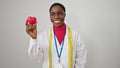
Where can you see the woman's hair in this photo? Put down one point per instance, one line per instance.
(57, 4)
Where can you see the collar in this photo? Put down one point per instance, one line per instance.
(62, 27)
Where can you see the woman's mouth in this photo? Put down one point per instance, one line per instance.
(57, 21)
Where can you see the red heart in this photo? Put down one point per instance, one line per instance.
(31, 20)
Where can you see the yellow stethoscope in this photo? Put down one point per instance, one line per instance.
(70, 48)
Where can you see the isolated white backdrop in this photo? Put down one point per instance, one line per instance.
(97, 21)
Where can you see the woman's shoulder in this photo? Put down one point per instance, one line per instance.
(44, 34)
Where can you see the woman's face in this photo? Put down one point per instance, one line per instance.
(57, 15)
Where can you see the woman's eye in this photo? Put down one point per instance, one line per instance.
(52, 14)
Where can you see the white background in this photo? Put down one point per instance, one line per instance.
(98, 22)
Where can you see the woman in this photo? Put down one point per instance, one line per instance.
(58, 47)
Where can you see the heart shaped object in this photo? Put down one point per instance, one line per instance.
(31, 20)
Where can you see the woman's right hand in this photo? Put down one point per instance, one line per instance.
(31, 30)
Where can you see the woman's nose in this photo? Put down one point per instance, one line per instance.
(56, 16)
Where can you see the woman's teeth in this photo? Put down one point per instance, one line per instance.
(56, 21)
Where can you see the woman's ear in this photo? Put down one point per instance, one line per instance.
(65, 15)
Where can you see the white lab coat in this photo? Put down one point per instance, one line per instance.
(38, 50)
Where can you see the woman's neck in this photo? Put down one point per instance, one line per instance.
(60, 32)
(61, 27)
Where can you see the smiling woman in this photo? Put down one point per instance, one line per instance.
(58, 47)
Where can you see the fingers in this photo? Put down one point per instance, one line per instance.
(30, 26)
(31, 30)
